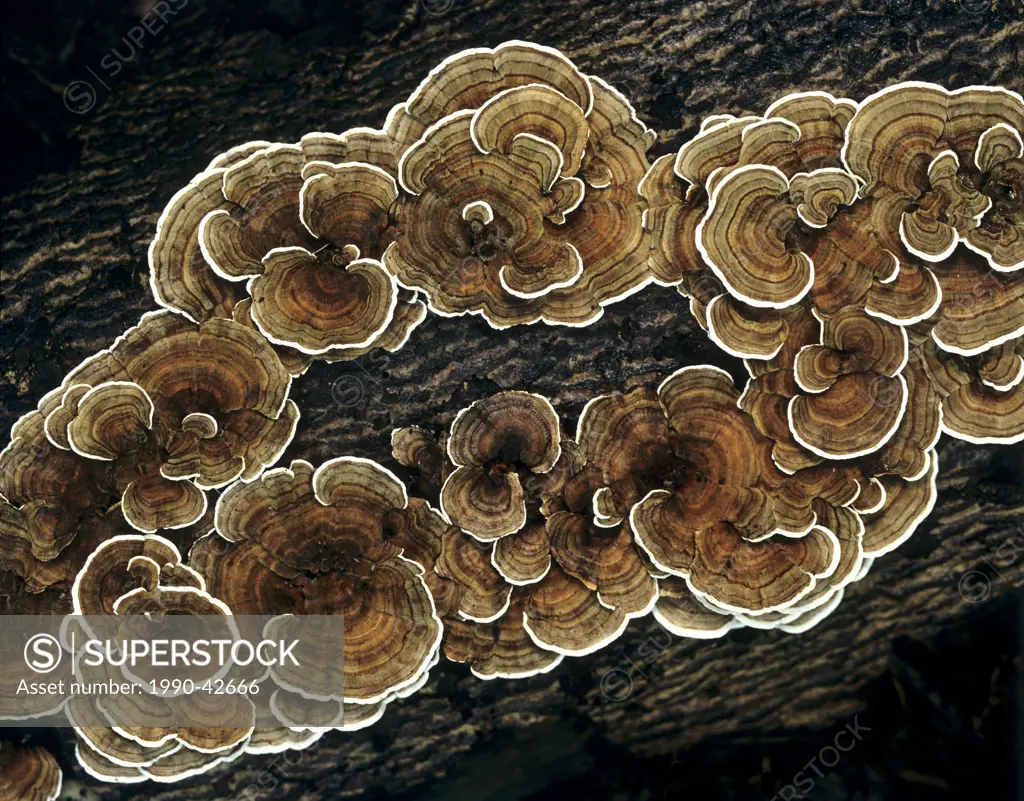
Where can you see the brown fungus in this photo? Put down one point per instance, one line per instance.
(497, 444)
(295, 233)
(316, 542)
(28, 774)
(703, 498)
(951, 162)
(522, 207)
(176, 408)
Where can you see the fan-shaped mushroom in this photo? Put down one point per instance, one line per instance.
(28, 774)
(496, 444)
(307, 541)
(524, 207)
(176, 408)
(782, 258)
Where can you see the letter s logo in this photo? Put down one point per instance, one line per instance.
(43, 653)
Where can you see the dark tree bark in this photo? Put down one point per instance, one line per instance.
(75, 275)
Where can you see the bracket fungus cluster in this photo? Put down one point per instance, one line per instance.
(865, 260)
(519, 194)
(143, 575)
(318, 541)
(28, 774)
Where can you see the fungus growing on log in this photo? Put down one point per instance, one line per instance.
(523, 206)
(496, 444)
(948, 164)
(315, 541)
(295, 233)
(125, 563)
(176, 408)
(596, 579)
(773, 398)
(865, 260)
(132, 765)
(858, 359)
(28, 774)
(49, 498)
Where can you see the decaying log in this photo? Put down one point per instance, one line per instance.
(75, 275)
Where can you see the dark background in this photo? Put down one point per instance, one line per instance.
(935, 674)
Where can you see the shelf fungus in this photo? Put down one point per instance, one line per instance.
(981, 308)
(107, 756)
(316, 541)
(288, 239)
(519, 192)
(425, 453)
(49, 498)
(982, 396)
(498, 444)
(858, 360)
(28, 774)
(139, 737)
(595, 577)
(693, 474)
(865, 260)
(567, 584)
(764, 228)
(175, 408)
(809, 397)
(501, 648)
(949, 164)
(686, 614)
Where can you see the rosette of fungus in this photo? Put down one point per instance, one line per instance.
(693, 475)
(895, 485)
(949, 163)
(776, 397)
(762, 226)
(982, 396)
(175, 408)
(288, 239)
(558, 583)
(148, 736)
(315, 542)
(57, 507)
(28, 774)
(498, 444)
(49, 497)
(519, 193)
(949, 167)
(688, 615)
(482, 618)
(582, 575)
(857, 359)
